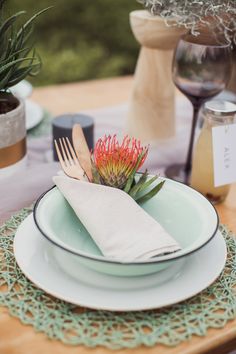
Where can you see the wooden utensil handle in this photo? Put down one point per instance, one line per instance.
(82, 150)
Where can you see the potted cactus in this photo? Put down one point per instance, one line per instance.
(18, 59)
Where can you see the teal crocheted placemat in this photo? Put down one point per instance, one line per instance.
(43, 128)
(73, 325)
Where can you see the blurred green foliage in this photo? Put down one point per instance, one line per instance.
(81, 39)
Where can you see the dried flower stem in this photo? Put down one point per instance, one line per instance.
(217, 15)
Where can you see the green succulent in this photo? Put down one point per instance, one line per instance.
(18, 57)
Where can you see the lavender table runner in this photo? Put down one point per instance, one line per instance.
(24, 187)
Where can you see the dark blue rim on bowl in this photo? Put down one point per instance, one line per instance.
(106, 260)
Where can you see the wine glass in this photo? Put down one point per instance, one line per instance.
(201, 69)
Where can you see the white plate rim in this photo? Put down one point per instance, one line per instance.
(25, 86)
(35, 106)
(21, 237)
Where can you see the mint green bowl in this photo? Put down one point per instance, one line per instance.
(183, 212)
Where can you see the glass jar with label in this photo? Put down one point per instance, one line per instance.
(215, 113)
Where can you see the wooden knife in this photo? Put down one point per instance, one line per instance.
(82, 150)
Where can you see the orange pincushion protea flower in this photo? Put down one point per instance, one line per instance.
(116, 162)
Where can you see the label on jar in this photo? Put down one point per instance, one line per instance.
(224, 154)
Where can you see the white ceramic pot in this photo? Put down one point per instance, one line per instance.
(12, 140)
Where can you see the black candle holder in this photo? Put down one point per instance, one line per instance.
(62, 127)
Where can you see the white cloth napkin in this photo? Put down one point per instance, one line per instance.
(118, 225)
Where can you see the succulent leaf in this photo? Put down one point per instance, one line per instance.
(132, 176)
(17, 56)
(148, 183)
(12, 63)
(150, 194)
(135, 189)
(31, 20)
(9, 22)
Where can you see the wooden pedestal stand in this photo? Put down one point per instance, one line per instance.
(152, 114)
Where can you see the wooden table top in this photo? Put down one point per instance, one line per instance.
(16, 338)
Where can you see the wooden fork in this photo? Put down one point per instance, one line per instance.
(68, 159)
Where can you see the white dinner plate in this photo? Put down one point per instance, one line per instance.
(99, 291)
(34, 114)
(23, 89)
